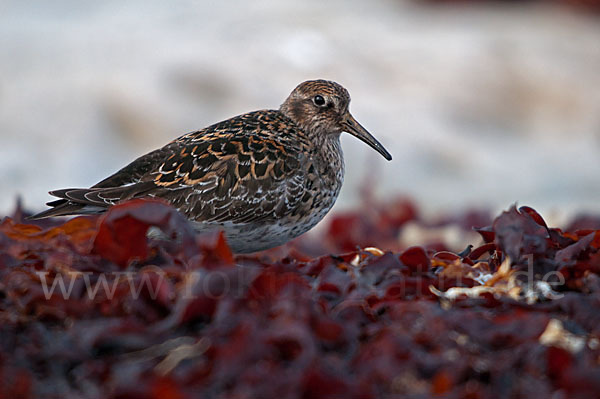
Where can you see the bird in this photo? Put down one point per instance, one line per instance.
(263, 177)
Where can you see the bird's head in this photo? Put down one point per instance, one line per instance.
(320, 107)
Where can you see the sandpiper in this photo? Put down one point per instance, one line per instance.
(264, 177)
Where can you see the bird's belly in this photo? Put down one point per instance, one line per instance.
(252, 237)
(264, 234)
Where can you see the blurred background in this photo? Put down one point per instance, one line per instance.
(481, 104)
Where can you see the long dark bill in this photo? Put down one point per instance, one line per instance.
(352, 126)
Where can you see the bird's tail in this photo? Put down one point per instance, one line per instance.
(91, 201)
(64, 207)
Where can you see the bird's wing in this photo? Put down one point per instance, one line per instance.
(136, 170)
(224, 176)
(241, 170)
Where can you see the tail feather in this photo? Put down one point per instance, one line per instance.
(86, 201)
(67, 208)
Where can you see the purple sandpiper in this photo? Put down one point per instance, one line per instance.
(264, 177)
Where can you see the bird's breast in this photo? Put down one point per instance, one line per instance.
(330, 161)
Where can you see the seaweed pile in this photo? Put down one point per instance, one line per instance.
(94, 308)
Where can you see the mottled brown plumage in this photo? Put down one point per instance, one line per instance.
(264, 177)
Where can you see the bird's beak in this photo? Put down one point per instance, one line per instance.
(352, 126)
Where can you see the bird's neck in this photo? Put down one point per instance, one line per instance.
(330, 156)
(326, 147)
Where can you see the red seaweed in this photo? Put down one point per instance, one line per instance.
(96, 307)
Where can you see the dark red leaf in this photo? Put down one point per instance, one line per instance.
(518, 235)
(533, 214)
(479, 251)
(122, 232)
(416, 259)
(558, 361)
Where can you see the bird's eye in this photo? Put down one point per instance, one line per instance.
(319, 101)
